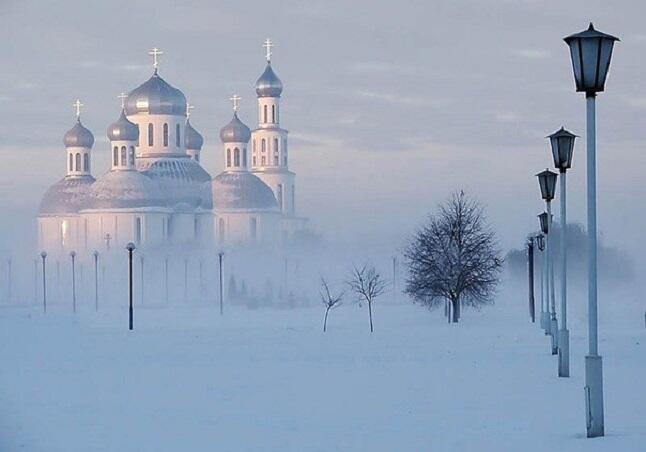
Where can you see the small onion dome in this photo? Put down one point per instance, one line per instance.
(241, 190)
(123, 130)
(156, 97)
(269, 85)
(66, 196)
(124, 190)
(235, 132)
(192, 138)
(78, 136)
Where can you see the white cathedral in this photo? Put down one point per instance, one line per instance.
(156, 193)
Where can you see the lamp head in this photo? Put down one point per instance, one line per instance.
(562, 143)
(547, 184)
(43, 254)
(130, 247)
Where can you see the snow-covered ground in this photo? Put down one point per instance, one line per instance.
(269, 380)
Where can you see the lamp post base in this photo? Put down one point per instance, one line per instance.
(564, 353)
(554, 333)
(594, 396)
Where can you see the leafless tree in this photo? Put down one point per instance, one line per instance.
(367, 284)
(329, 300)
(454, 257)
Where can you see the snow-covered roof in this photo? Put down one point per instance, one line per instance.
(67, 196)
(241, 190)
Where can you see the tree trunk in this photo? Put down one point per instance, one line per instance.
(370, 314)
(325, 320)
(456, 310)
(447, 310)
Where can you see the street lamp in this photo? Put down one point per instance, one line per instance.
(545, 298)
(562, 143)
(540, 242)
(96, 280)
(43, 255)
(220, 256)
(130, 247)
(547, 184)
(591, 52)
(73, 256)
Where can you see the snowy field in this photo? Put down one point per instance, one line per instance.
(269, 380)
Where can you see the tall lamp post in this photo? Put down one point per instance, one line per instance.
(73, 256)
(550, 308)
(131, 248)
(540, 242)
(220, 256)
(530, 274)
(547, 184)
(591, 52)
(562, 143)
(96, 280)
(43, 256)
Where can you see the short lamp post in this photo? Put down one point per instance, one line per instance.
(131, 248)
(73, 257)
(220, 256)
(591, 52)
(547, 184)
(562, 143)
(43, 256)
(96, 280)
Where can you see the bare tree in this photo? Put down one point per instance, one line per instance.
(330, 301)
(454, 257)
(367, 284)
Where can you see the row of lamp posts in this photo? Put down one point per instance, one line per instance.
(590, 52)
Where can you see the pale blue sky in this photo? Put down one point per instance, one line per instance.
(390, 105)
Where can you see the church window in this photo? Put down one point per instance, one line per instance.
(285, 160)
(196, 228)
(86, 162)
(115, 156)
(244, 157)
(254, 145)
(264, 161)
(228, 158)
(165, 135)
(78, 162)
(123, 156)
(265, 113)
(65, 230)
(254, 228)
(71, 162)
(254, 160)
(263, 145)
(273, 114)
(221, 230)
(236, 157)
(276, 145)
(177, 135)
(280, 196)
(169, 227)
(131, 156)
(138, 230)
(276, 159)
(150, 135)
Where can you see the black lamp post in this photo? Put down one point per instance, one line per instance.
(131, 248)
(591, 52)
(73, 256)
(530, 274)
(43, 256)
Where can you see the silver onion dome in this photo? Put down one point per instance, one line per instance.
(192, 138)
(124, 190)
(241, 190)
(78, 136)
(67, 196)
(235, 132)
(123, 130)
(269, 85)
(156, 97)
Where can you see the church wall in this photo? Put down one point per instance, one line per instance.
(58, 235)
(234, 228)
(122, 228)
(285, 196)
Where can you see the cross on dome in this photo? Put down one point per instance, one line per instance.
(236, 101)
(123, 97)
(189, 107)
(155, 52)
(77, 106)
(268, 45)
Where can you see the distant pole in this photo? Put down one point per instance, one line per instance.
(43, 255)
(201, 279)
(130, 247)
(73, 256)
(530, 261)
(96, 280)
(166, 277)
(395, 274)
(36, 280)
(185, 280)
(141, 277)
(220, 255)
(58, 279)
(9, 279)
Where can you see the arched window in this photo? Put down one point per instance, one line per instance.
(273, 114)
(265, 113)
(86, 162)
(115, 156)
(236, 157)
(276, 145)
(263, 161)
(138, 230)
(123, 156)
(196, 228)
(131, 156)
(254, 145)
(78, 162)
(276, 159)
(263, 145)
(221, 230)
(165, 135)
(284, 160)
(254, 160)
(244, 157)
(280, 196)
(254, 228)
(71, 162)
(150, 135)
(228, 157)
(177, 135)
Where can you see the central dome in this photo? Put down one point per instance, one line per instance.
(156, 97)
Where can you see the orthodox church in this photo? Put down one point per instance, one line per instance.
(156, 193)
